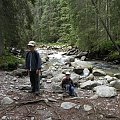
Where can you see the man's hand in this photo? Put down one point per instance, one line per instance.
(27, 71)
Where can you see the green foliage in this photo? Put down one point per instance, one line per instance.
(9, 62)
(114, 55)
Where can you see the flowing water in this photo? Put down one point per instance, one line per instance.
(56, 57)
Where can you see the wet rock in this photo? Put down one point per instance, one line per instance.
(83, 58)
(90, 77)
(115, 84)
(6, 101)
(81, 64)
(109, 78)
(105, 91)
(117, 75)
(89, 85)
(81, 54)
(69, 59)
(87, 108)
(98, 72)
(86, 72)
(78, 70)
(68, 105)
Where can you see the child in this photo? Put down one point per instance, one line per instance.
(68, 85)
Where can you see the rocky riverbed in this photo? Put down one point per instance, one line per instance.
(98, 96)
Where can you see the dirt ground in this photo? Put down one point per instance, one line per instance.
(27, 106)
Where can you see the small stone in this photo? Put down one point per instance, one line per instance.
(52, 100)
(67, 105)
(32, 118)
(49, 118)
(4, 117)
(16, 98)
(49, 81)
(87, 108)
(77, 107)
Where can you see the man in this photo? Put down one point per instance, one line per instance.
(33, 66)
(68, 85)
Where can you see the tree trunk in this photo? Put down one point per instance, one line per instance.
(105, 27)
(1, 28)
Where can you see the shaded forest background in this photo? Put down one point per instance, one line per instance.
(91, 25)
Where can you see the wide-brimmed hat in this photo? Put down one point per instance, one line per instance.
(31, 43)
(67, 73)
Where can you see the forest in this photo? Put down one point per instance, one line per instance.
(90, 25)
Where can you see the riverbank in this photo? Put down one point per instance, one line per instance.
(53, 103)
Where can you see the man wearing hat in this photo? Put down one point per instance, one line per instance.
(68, 85)
(33, 66)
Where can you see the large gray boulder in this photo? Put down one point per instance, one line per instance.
(89, 85)
(81, 64)
(105, 91)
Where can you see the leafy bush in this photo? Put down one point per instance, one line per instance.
(114, 55)
(9, 62)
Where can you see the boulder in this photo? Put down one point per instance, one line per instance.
(89, 85)
(105, 91)
(117, 75)
(109, 78)
(115, 84)
(90, 77)
(83, 58)
(81, 64)
(81, 54)
(86, 72)
(6, 101)
(98, 72)
(78, 70)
